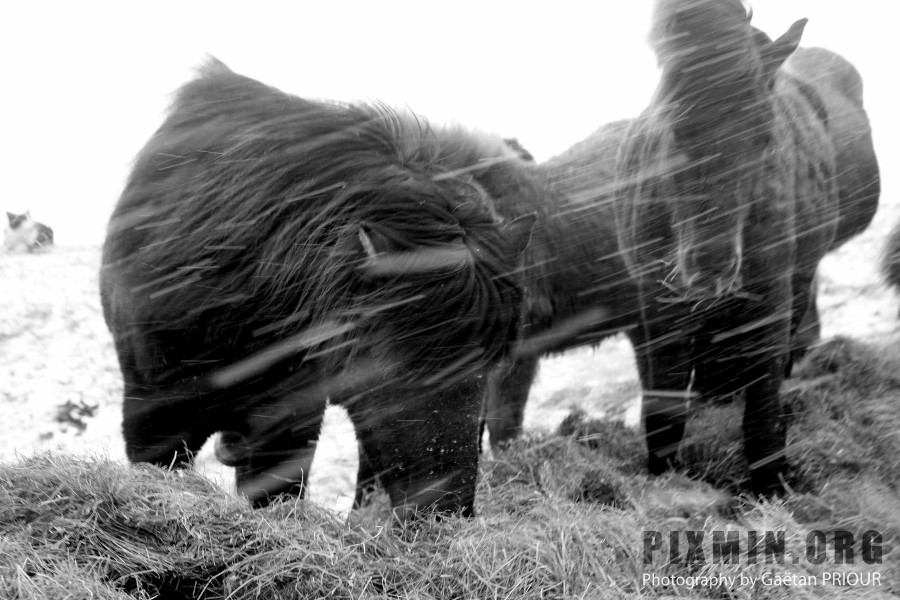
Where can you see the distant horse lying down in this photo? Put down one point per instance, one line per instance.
(271, 253)
(729, 194)
(24, 234)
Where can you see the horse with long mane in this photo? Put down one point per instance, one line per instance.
(730, 191)
(270, 254)
(578, 289)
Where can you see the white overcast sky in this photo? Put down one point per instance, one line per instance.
(86, 83)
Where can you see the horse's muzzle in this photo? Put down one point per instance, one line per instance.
(711, 271)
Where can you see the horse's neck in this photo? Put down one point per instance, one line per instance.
(574, 253)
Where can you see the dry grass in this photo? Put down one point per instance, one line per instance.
(561, 516)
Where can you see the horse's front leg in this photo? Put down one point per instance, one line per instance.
(761, 345)
(662, 344)
(764, 429)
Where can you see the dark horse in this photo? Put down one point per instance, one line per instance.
(270, 253)
(728, 195)
(578, 287)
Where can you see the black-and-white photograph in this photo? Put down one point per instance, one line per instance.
(450, 300)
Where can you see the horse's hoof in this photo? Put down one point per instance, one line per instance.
(658, 465)
(768, 484)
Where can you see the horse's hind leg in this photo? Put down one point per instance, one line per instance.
(808, 333)
(805, 325)
(506, 397)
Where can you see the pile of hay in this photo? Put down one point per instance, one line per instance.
(560, 516)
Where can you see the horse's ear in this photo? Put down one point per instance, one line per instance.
(214, 66)
(514, 145)
(778, 51)
(373, 243)
(518, 232)
(10, 216)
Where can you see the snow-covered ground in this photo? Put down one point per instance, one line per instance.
(60, 384)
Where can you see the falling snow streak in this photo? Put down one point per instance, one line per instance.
(275, 353)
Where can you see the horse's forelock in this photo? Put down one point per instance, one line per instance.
(709, 34)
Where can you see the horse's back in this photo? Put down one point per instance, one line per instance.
(828, 69)
(584, 176)
(593, 158)
(840, 89)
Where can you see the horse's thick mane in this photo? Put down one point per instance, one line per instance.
(263, 195)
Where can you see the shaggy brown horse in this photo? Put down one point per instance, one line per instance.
(728, 196)
(578, 287)
(270, 253)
